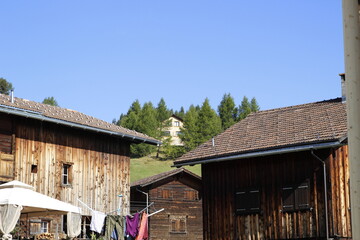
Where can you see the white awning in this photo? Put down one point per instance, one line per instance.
(33, 203)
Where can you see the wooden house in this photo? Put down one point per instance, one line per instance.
(178, 192)
(66, 155)
(278, 174)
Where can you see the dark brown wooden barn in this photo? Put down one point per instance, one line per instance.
(178, 192)
(66, 155)
(278, 174)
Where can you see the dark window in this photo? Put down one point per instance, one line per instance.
(247, 201)
(34, 168)
(296, 197)
(66, 174)
(64, 223)
(166, 133)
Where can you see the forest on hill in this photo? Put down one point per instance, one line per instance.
(201, 123)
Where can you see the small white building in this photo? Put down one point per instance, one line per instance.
(174, 130)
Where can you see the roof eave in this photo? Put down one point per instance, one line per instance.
(38, 116)
(299, 148)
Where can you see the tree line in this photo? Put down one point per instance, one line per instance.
(201, 123)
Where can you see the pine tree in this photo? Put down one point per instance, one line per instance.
(208, 123)
(244, 108)
(190, 129)
(131, 119)
(50, 101)
(163, 115)
(227, 111)
(254, 105)
(147, 124)
(181, 113)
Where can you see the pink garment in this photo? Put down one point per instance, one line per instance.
(143, 230)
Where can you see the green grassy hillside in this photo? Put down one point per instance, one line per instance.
(149, 166)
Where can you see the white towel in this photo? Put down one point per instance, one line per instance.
(97, 221)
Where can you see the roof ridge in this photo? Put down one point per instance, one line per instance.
(320, 121)
(296, 106)
(69, 116)
(162, 175)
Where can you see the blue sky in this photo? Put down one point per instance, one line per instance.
(97, 57)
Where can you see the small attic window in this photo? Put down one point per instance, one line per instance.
(34, 168)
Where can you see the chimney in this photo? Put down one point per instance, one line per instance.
(343, 87)
(12, 95)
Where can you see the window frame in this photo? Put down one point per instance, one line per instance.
(191, 195)
(68, 175)
(296, 199)
(178, 225)
(160, 193)
(245, 204)
(40, 226)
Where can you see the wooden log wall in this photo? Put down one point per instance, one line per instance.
(270, 174)
(99, 164)
(177, 204)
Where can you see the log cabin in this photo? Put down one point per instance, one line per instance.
(178, 192)
(66, 155)
(278, 174)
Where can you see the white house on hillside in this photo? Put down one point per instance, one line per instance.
(174, 129)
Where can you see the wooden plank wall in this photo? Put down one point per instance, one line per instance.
(339, 196)
(100, 164)
(220, 181)
(7, 150)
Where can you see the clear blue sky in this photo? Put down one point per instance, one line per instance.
(97, 57)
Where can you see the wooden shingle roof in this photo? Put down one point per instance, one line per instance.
(305, 124)
(67, 117)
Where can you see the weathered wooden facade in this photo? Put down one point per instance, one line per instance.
(264, 177)
(65, 154)
(179, 193)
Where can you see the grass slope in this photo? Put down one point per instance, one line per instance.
(148, 166)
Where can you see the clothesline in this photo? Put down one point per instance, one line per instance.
(85, 205)
(119, 208)
(156, 212)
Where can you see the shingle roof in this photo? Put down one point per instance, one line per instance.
(317, 122)
(158, 177)
(68, 117)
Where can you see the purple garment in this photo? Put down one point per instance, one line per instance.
(132, 225)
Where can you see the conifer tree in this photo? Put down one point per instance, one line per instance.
(50, 101)
(190, 129)
(163, 114)
(254, 105)
(208, 123)
(244, 108)
(180, 113)
(147, 125)
(227, 111)
(131, 119)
